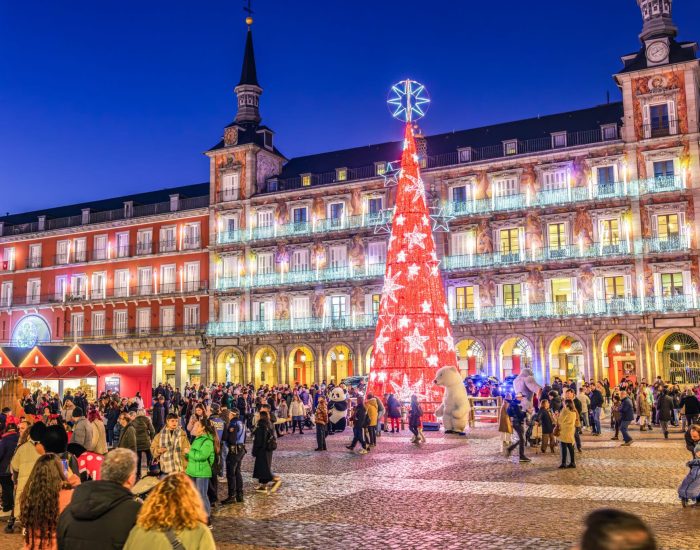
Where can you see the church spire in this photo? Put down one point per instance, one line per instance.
(248, 89)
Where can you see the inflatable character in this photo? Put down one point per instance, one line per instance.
(337, 410)
(525, 383)
(455, 406)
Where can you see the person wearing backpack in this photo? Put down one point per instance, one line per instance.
(264, 444)
(201, 458)
(234, 439)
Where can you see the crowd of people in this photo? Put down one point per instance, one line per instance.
(70, 467)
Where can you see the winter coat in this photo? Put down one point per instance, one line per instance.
(665, 408)
(99, 437)
(100, 515)
(585, 402)
(262, 470)
(321, 414)
(82, 433)
(145, 432)
(201, 456)
(555, 402)
(199, 538)
(691, 404)
(359, 417)
(546, 420)
(690, 486)
(297, 409)
(690, 443)
(158, 416)
(127, 437)
(8, 444)
(23, 464)
(626, 410)
(504, 423)
(643, 406)
(393, 407)
(596, 399)
(567, 425)
(372, 411)
(414, 416)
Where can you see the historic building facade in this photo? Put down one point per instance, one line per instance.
(131, 271)
(572, 245)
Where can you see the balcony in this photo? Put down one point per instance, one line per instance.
(141, 332)
(329, 274)
(144, 248)
(167, 246)
(662, 127)
(191, 243)
(493, 314)
(33, 262)
(118, 293)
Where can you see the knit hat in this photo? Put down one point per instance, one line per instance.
(77, 412)
(36, 432)
(55, 439)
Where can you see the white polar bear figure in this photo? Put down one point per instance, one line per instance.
(455, 403)
(525, 383)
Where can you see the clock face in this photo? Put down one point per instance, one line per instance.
(657, 52)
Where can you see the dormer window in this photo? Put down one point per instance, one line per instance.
(341, 174)
(306, 180)
(558, 140)
(267, 139)
(380, 168)
(510, 147)
(609, 131)
(465, 154)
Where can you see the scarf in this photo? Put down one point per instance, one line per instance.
(171, 459)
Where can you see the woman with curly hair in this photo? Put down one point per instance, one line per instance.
(45, 496)
(172, 513)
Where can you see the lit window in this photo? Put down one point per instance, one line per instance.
(557, 236)
(671, 284)
(510, 241)
(464, 298)
(510, 147)
(342, 174)
(511, 295)
(306, 180)
(610, 232)
(667, 226)
(380, 168)
(614, 287)
(558, 140)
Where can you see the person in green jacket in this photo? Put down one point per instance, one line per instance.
(201, 458)
(172, 512)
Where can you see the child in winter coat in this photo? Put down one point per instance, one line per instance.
(690, 486)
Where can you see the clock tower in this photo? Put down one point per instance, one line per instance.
(658, 30)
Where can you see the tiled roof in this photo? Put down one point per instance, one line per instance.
(531, 128)
(150, 197)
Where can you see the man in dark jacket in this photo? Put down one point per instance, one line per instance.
(234, 439)
(517, 418)
(596, 406)
(691, 405)
(664, 410)
(626, 416)
(159, 412)
(102, 513)
(8, 444)
(571, 394)
(144, 435)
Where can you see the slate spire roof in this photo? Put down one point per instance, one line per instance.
(249, 75)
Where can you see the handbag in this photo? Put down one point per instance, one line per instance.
(271, 441)
(557, 431)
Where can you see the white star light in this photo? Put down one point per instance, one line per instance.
(416, 341)
(404, 322)
(381, 225)
(391, 175)
(449, 342)
(425, 220)
(400, 219)
(440, 322)
(433, 256)
(426, 306)
(413, 271)
(435, 270)
(380, 341)
(391, 286)
(416, 238)
(405, 390)
(415, 186)
(432, 360)
(401, 256)
(441, 220)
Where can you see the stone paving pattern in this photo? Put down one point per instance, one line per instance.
(453, 493)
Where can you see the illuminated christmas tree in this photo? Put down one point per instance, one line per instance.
(413, 338)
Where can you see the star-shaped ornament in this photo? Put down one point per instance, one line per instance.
(401, 256)
(380, 341)
(400, 219)
(426, 306)
(391, 175)
(432, 360)
(441, 220)
(415, 186)
(406, 390)
(391, 286)
(382, 225)
(416, 341)
(449, 341)
(435, 269)
(413, 271)
(404, 322)
(440, 322)
(415, 238)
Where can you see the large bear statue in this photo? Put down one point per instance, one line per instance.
(525, 383)
(455, 406)
(337, 410)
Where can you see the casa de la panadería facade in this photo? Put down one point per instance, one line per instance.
(572, 245)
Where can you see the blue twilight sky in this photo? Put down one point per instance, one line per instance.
(100, 98)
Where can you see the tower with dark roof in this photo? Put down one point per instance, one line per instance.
(657, 16)
(248, 90)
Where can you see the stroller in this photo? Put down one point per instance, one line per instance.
(309, 420)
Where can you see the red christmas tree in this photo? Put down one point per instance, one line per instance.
(413, 338)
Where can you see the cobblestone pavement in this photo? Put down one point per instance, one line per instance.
(453, 493)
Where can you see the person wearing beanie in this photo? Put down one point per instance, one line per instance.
(23, 462)
(82, 430)
(55, 440)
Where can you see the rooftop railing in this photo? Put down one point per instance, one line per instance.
(137, 211)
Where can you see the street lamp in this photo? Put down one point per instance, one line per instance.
(517, 351)
(618, 348)
(302, 358)
(341, 356)
(676, 347)
(268, 359)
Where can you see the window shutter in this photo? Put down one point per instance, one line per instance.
(646, 121)
(658, 291)
(628, 286)
(451, 298)
(499, 295)
(672, 117)
(686, 283)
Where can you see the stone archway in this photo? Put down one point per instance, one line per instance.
(301, 365)
(567, 357)
(471, 357)
(265, 366)
(514, 354)
(229, 366)
(677, 356)
(339, 363)
(619, 357)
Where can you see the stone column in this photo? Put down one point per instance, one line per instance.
(180, 369)
(204, 368)
(320, 364)
(156, 375)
